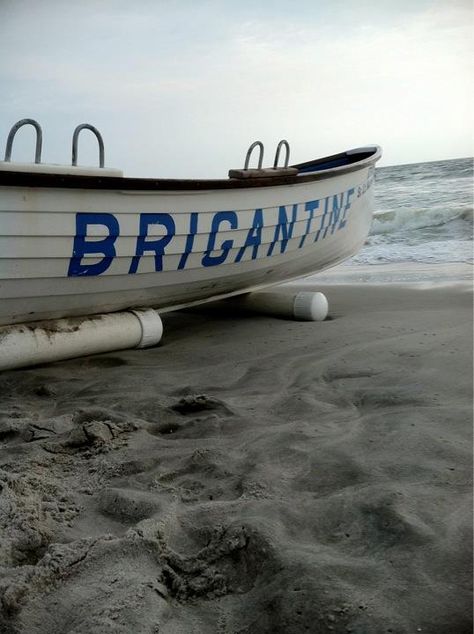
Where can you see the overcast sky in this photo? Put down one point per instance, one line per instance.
(180, 88)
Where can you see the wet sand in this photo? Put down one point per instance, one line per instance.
(249, 475)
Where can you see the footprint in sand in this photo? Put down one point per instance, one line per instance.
(93, 429)
(199, 403)
(127, 505)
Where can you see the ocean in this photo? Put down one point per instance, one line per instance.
(423, 213)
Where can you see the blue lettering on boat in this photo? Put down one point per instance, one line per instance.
(82, 247)
(221, 216)
(347, 206)
(319, 218)
(254, 236)
(323, 221)
(284, 228)
(310, 206)
(193, 225)
(157, 246)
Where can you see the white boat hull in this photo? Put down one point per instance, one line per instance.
(169, 249)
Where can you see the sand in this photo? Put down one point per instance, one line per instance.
(249, 475)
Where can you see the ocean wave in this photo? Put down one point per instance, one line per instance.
(407, 218)
(425, 214)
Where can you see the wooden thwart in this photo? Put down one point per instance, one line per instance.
(267, 172)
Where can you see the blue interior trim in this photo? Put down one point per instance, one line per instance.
(316, 167)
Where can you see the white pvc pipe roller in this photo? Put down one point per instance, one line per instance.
(305, 305)
(45, 341)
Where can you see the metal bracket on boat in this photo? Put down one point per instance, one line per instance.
(284, 143)
(14, 130)
(249, 153)
(265, 172)
(75, 136)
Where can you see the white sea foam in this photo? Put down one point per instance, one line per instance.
(428, 252)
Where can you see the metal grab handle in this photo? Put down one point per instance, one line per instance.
(14, 130)
(75, 136)
(277, 155)
(249, 152)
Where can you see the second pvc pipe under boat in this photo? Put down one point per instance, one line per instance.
(302, 306)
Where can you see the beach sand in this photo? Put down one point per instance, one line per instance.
(249, 475)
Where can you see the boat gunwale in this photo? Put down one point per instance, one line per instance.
(370, 154)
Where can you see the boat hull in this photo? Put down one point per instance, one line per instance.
(81, 251)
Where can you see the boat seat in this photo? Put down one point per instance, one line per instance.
(267, 172)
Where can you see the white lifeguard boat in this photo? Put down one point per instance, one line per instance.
(78, 241)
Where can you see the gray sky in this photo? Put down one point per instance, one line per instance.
(180, 88)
